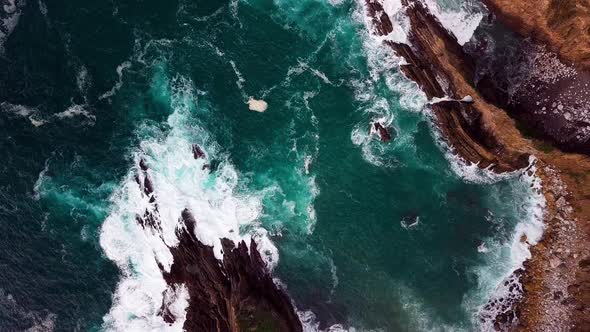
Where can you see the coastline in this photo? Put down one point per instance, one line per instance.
(555, 280)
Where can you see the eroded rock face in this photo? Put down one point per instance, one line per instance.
(564, 25)
(441, 67)
(236, 294)
(233, 294)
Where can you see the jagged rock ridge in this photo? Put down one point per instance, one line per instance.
(233, 294)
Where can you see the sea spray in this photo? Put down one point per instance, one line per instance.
(499, 279)
(179, 182)
(459, 17)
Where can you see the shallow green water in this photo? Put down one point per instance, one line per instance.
(186, 70)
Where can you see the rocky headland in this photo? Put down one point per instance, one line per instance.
(542, 114)
(236, 293)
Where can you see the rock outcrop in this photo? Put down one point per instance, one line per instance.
(555, 293)
(234, 294)
(382, 131)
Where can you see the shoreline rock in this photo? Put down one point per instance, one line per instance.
(234, 294)
(553, 299)
(381, 131)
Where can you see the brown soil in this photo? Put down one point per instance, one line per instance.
(563, 25)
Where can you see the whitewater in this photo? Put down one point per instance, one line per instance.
(362, 235)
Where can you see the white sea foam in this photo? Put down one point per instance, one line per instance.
(36, 122)
(120, 69)
(74, 111)
(179, 182)
(311, 324)
(335, 2)
(234, 6)
(40, 180)
(37, 119)
(31, 113)
(20, 110)
(335, 280)
(409, 224)
(309, 158)
(83, 80)
(496, 281)
(482, 248)
(460, 19)
(301, 67)
(210, 16)
(241, 80)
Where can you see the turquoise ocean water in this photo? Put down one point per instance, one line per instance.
(364, 235)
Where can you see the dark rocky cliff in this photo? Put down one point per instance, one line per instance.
(233, 294)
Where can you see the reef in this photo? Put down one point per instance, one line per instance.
(553, 291)
(236, 293)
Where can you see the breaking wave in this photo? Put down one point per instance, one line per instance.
(180, 181)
